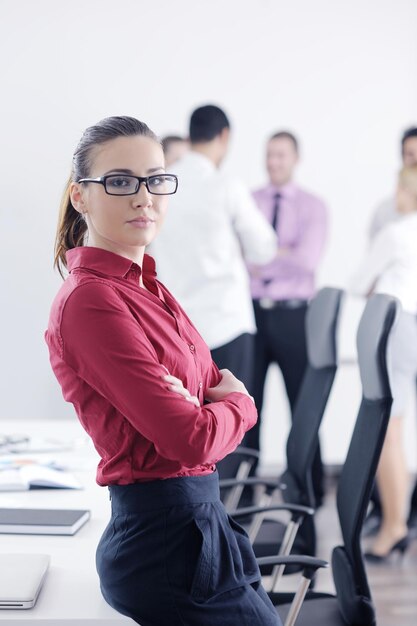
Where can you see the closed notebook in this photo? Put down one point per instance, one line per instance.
(42, 521)
(21, 579)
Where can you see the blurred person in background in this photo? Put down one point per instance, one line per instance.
(282, 289)
(390, 266)
(384, 214)
(212, 230)
(386, 211)
(174, 148)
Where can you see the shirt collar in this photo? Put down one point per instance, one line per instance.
(106, 262)
(286, 191)
(199, 159)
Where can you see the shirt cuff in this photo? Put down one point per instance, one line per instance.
(246, 406)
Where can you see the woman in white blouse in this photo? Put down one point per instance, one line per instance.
(390, 266)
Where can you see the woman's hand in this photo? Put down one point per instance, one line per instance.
(175, 384)
(228, 384)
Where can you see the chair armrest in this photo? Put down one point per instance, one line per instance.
(310, 563)
(310, 566)
(229, 483)
(298, 510)
(247, 452)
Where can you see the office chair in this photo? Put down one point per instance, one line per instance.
(352, 606)
(270, 536)
(235, 467)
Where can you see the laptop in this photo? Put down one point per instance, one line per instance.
(21, 579)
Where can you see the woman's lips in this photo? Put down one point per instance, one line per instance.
(141, 222)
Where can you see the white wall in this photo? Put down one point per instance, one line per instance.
(341, 75)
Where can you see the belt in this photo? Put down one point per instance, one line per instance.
(268, 303)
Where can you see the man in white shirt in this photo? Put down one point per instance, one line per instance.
(385, 214)
(211, 228)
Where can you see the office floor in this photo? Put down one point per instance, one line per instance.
(393, 585)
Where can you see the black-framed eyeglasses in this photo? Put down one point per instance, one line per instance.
(126, 185)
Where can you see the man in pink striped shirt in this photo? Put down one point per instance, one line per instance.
(282, 288)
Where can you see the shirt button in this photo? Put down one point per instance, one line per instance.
(192, 347)
(200, 384)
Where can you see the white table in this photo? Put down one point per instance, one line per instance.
(70, 595)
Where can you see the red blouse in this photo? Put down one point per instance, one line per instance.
(110, 342)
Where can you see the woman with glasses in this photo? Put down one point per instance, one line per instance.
(144, 387)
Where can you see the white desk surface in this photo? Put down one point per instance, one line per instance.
(71, 593)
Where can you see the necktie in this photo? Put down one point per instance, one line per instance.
(275, 211)
(274, 223)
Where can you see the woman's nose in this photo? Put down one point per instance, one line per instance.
(142, 197)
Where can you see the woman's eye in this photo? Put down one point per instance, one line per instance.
(120, 181)
(157, 181)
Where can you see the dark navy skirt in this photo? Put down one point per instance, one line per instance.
(171, 556)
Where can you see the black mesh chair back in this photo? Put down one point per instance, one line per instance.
(321, 326)
(299, 536)
(362, 459)
(352, 605)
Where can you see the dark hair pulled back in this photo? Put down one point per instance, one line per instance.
(72, 227)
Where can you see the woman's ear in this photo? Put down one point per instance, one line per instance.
(77, 197)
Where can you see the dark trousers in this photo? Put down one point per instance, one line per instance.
(281, 339)
(171, 556)
(237, 356)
